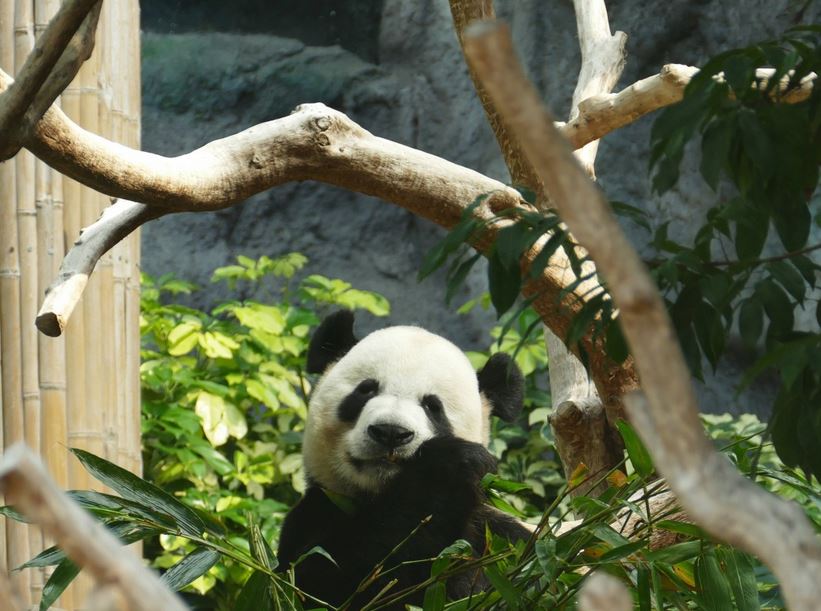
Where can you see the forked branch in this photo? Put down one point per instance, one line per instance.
(714, 495)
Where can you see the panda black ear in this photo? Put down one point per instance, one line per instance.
(331, 341)
(502, 384)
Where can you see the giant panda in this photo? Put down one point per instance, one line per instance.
(396, 432)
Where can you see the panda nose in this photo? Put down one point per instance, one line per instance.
(390, 435)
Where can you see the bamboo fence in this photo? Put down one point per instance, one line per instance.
(82, 389)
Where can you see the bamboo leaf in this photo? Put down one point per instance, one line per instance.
(60, 579)
(136, 489)
(713, 586)
(189, 568)
(741, 574)
(638, 454)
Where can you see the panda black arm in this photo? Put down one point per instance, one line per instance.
(307, 524)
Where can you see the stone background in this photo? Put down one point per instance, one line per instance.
(212, 68)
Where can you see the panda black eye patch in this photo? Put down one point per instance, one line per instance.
(436, 412)
(352, 405)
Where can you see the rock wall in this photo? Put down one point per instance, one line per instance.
(395, 67)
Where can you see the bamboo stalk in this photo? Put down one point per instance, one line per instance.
(105, 329)
(6, 268)
(26, 184)
(52, 350)
(14, 406)
(132, 346)
(74, 342)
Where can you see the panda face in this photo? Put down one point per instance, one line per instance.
(372, 409)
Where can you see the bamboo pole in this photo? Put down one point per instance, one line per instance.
(10, 306)
(132, 347)
(51, 246)
(26, 187)
(6, 271)
(107, 338)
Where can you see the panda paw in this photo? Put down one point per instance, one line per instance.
(454, 460)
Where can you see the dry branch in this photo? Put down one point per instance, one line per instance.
(115, 224)
(709, 489)
(49, 68)
(603, 592)
(28, 487)
(601, 114)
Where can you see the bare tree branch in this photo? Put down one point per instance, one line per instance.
(115, 224)
(603, 592)
(598, 115)
(709, 489)
(28, 487)
(57, 56)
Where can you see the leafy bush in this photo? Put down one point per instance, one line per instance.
(225, 401)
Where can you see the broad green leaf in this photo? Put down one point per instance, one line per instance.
(678, 552)
(434, 597)
(263, 317)
(504, 285)
(789, 278)
(740, 573)
(751, 233)
(751, 321)
(220, 419)
(255, 594)
(504, 586)
(189, 568)
(615, 344)
(777, 306)
(60, 579)
(716, 594)
(792, 222)
(217, 345)
(135, 489)
(715, 146)
(183, 337)
(643, 587)
(638, 454)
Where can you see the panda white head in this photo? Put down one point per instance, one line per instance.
(380, 398)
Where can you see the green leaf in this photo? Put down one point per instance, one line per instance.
(789, 278)
(643, 587)
(777, 306)
(434, 597)
(183, 338)
(678, 552)
(190, 568)
(614, 343)
(60, 579)
(751, 321)
(255, 594)
(751, 233)
(135, 489)
(740, 572)
(638, 454)
(715, 147)
(792, 222)
(711, 582)
(504, 285)
(220, 418)
(504, 586)
(263, 317)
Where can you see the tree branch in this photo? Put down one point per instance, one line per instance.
(598, 115)
(27, 486)
(709, 489)
(115, 224)
(57, 56)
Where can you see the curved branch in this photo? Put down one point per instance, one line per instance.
(714, 494)
(115, 224)
(57, 56)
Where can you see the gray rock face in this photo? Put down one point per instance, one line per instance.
(411, 87)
